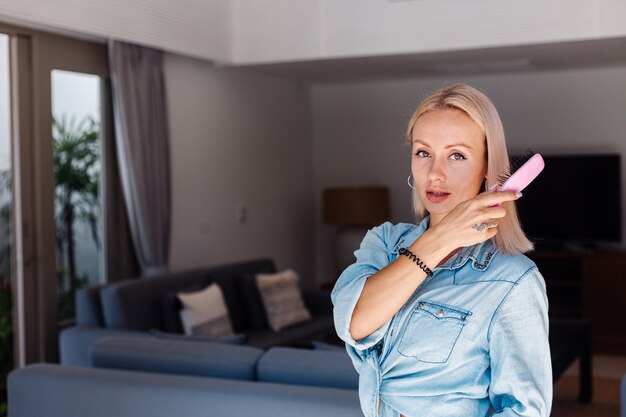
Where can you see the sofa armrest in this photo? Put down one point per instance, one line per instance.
(75, 342)
(88, 307)
(177, 357)
(318, 302)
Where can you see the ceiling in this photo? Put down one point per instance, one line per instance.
(538, 57)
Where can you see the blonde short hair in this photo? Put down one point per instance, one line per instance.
(475, 104)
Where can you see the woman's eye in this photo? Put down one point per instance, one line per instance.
(422, 154)
(457, 156)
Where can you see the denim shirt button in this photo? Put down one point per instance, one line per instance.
(421, 305)
(440, 313)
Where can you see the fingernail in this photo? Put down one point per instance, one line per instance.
(518, 194)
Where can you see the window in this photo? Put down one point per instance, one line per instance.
(76, 121)
(61, 147)
(6, 209)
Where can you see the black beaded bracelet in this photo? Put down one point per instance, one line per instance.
(418, 261)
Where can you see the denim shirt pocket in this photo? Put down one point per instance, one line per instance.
(432, 330)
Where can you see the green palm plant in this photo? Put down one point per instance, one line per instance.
(77, 177)
(6, 306)
(5, 223)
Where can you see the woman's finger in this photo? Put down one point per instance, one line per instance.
(493, 213)
(497, 197)
(490, 224)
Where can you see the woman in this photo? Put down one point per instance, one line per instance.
(448, 317)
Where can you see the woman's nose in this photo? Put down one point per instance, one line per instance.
(437, 171)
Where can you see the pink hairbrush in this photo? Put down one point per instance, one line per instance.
(530, 165)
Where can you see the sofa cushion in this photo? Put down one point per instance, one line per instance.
(177, 357)
(204, 313)
(88, 307)
(229, 278)
(318, 302)
(297, 335)
(170, 309)
(252, 303)
(317, 345)
(238, 339)
(232, 297)
(282, 299)
(171, 305)
(136, 304)
(308, 367)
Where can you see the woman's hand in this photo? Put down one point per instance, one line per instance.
(472, 221)
(386, 291)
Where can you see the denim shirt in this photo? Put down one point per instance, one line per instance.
(470, 341)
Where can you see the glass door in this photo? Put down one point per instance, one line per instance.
(77, 150)
(62, 219)
(6, 203)
(55, 103)
(67, 177)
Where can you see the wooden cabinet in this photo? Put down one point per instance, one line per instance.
(590, 285)
(604, 300)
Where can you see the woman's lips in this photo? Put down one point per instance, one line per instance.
(436, 197)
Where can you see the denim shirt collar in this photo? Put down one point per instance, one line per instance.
(481, 254)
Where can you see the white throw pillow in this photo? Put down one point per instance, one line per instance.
(205, 313)
(282, 299)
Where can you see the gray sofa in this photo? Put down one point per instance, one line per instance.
(140, 377)
(148, 306)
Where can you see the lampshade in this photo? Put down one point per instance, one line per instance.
(356, 205)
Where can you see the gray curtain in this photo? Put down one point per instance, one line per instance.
(143, 150)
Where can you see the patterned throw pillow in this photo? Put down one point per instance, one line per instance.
(282, 299)
(204, 313)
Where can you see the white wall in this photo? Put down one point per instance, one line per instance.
(292, 30)
(359, 129)
(200, 28)
(256, 31)
(239, 139)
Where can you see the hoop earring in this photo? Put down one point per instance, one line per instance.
(408, 181)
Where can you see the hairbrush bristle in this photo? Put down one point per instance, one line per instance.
(516, 164)
(502, 178)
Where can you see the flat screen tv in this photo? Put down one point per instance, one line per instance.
(575, 200)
